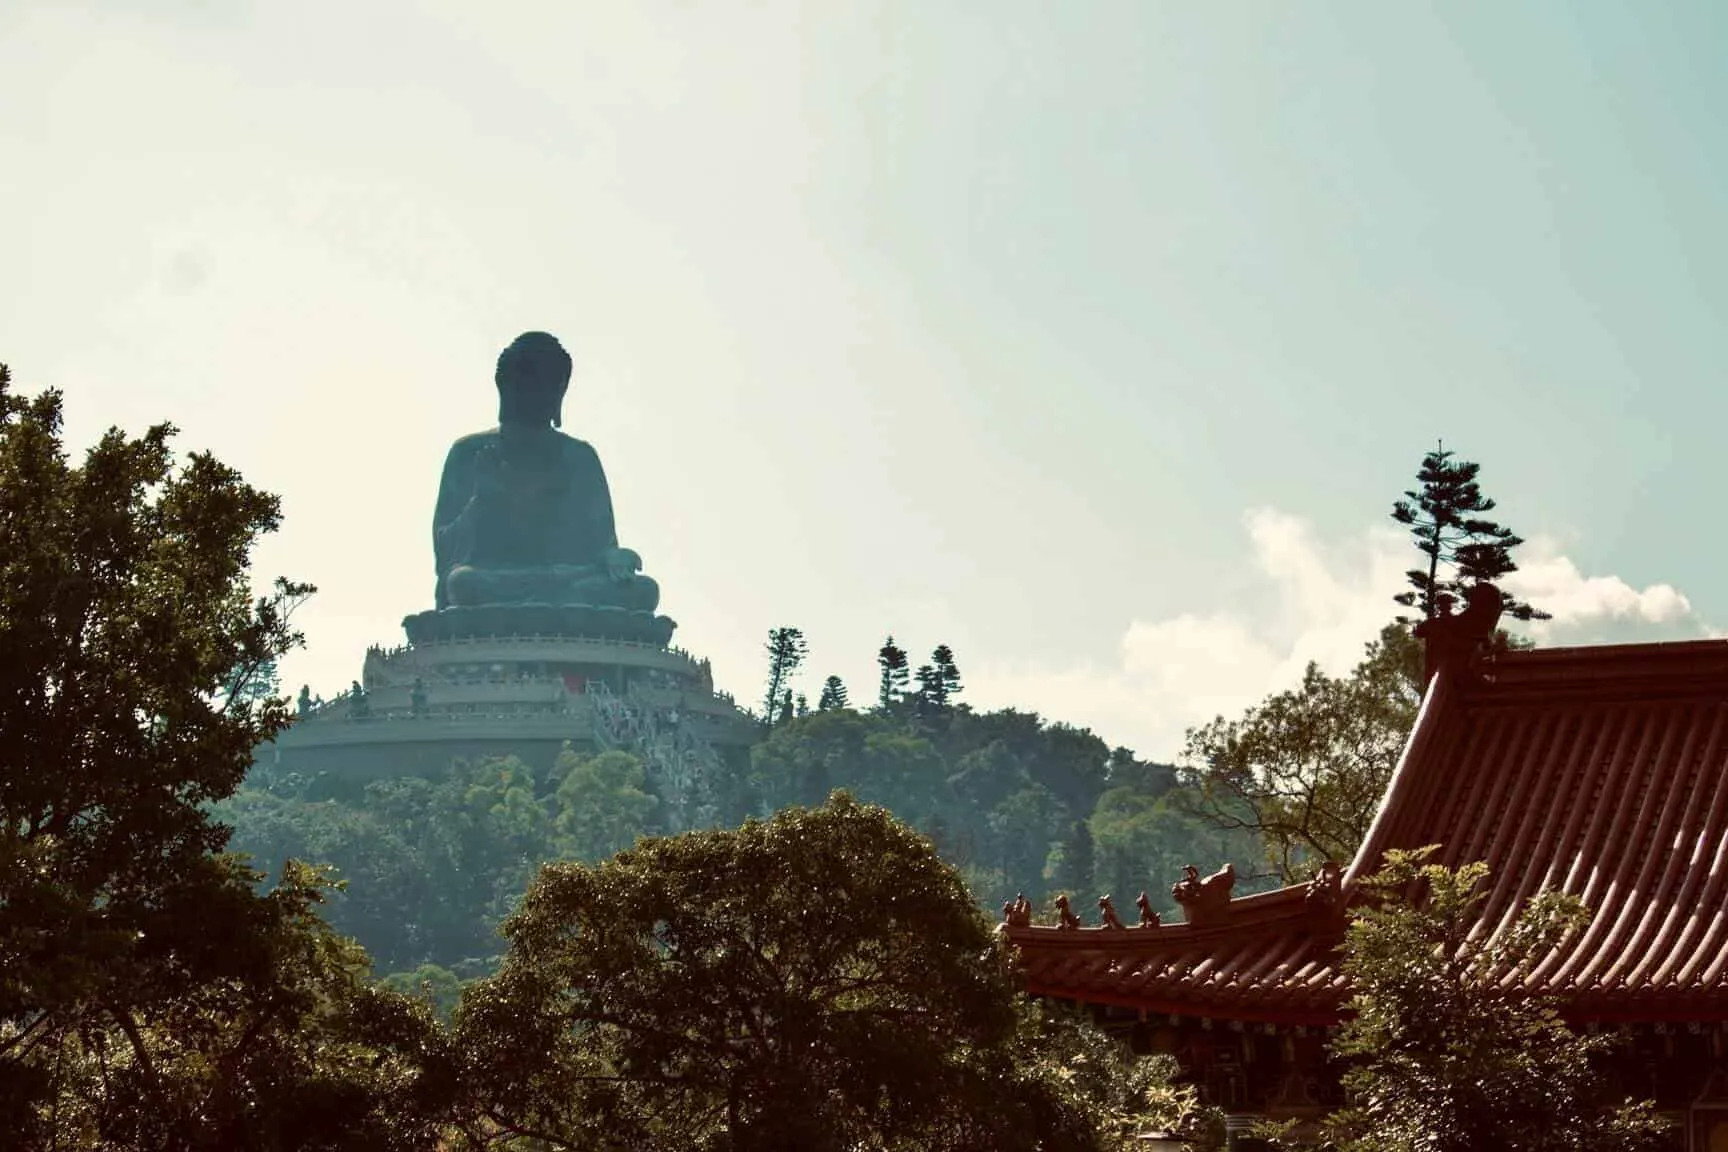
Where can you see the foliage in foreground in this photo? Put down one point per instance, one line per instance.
(1446, 1052)
(150, 996)
(1125, 1095)
(817, 981)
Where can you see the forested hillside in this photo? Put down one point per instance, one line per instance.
(1017, 804)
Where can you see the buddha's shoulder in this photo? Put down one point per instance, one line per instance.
(576, 448)
(473, 442)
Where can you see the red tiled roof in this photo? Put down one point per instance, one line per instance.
(1600, 771)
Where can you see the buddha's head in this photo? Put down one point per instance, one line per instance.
(532, 376)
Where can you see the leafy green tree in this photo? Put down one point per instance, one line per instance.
(1127, 769)
(877, 758)
(432, 866)
(819, 981)
(1127, 1096)
(150, 997)
(385, 886)
(1446, 1051)
(603, 803)
(1447, 516)
(253, 682)
(1305, 769)
(1074, 860)
(894, 666)
(1021, 830)
(987, 776)
(786, 652)
(1073, 763)
(833, 695)
(430, 983)
(1141, 840)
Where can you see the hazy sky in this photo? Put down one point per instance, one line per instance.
(1092, 339)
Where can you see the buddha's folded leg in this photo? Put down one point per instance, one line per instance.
(556, 584)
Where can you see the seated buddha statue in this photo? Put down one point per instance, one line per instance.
(524, 515)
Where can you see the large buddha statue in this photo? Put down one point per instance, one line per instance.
(524, 515)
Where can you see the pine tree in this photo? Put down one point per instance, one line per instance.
(894, 665)
(786, 652)
(930, 696)
(1445, 516)
(938, 683)
(947, 671)
(833, 695)
(803, 706)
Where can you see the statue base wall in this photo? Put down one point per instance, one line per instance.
(522, 680)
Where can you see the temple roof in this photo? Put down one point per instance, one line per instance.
(1600, 771)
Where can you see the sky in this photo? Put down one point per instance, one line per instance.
(1094, 339)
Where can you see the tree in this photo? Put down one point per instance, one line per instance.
(434, 985)
(817, 981)
(894, 665)
(253, 682)
(1125, 1095)
(1074, 861)
(1019, 834)
(1141, 839)
(1447, 1051)
(985, 777)
(1446, 516)
(603, 803)
(151, 997)
(432, 866)
(929, 697)
(947, 672)
(938, 683)
(833, 695)
(1305, 769)
(786, 652)
(874, 757)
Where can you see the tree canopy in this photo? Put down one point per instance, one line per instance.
(1446, 1050)
(1447, 518)
(150, 997)
(1305, 769)
(819, 980)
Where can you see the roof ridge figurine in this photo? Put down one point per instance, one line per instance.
(1204, 900)
(1459, 639)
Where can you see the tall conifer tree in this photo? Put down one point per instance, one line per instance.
(947, 671)
(891, 659)
(1446, 517)
(786, 652)
(833, 695)
(930, 696)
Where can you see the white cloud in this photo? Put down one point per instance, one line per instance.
(1311, 601)
(1581, 604)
